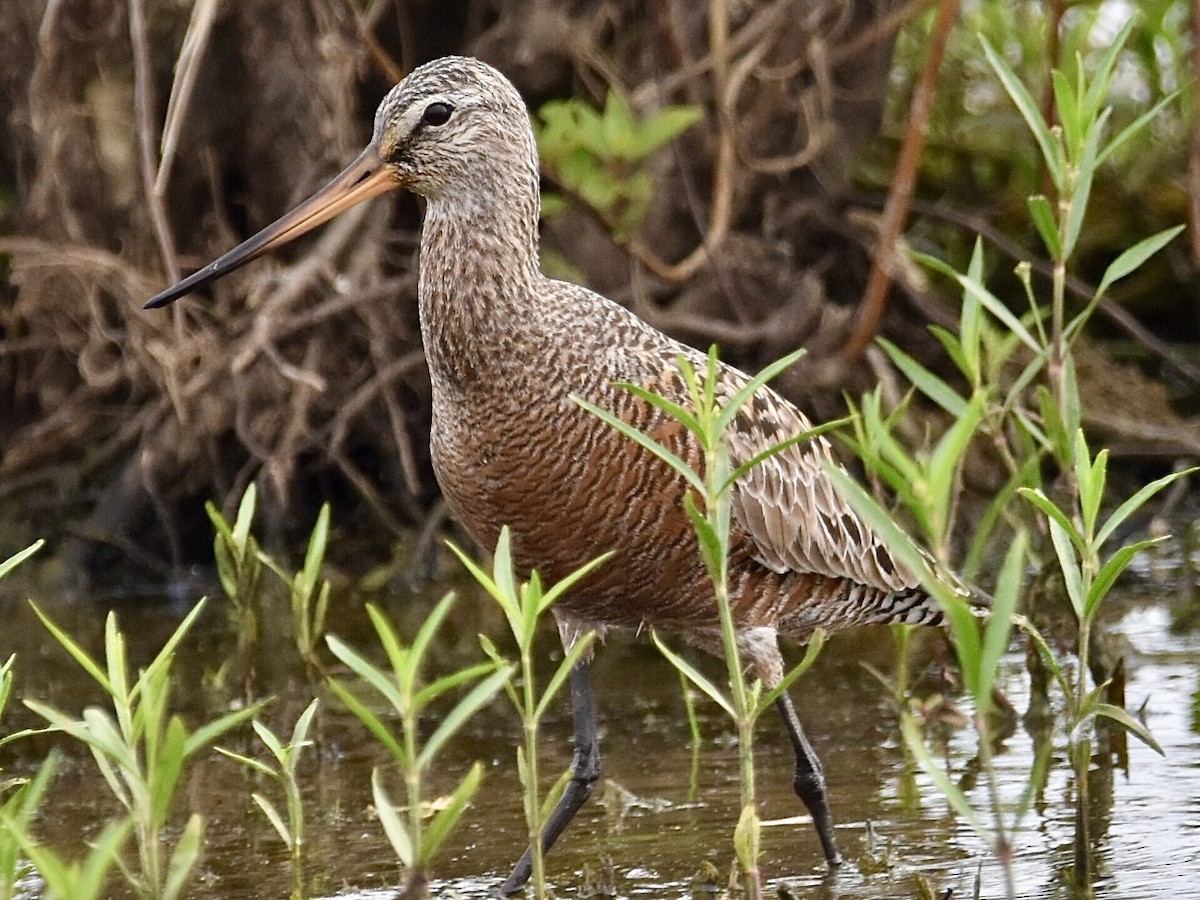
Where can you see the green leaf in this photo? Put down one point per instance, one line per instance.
(645, 441)
(1134, 503)
(1134, 257)
(249, 762)
(953, 793)
(1069, 565)
(1028, 107)
(561, 587)
(274, 818)
(77, 653)
(998, 630)
(1129, 131)
(752, 386)
(925, 381)
(17, 558)
(447, 817)
(996, 307)
(245, 516)
(1043, 218)
(674, 410)
(373, 723)
(570, 660)
(393, 825)
(695, 677)
(811, 652)
(209, 732)
(776, 449)
(1111, 571)
(369, 673)
(164, 777)
(1130, 724)
(1052, 512)
(478, 697)
(184, 857)
(307, 578)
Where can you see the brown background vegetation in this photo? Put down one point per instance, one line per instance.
(305, 370)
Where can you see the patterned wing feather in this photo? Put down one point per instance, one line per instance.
(788, 505)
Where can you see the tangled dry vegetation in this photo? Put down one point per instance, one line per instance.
(146, 137)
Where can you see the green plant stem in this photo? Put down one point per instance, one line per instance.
(532, 799)
(412, 784)
(717, 511)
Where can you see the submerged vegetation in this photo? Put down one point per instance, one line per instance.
(1001, 386)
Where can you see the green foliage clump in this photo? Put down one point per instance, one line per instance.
(599, 155)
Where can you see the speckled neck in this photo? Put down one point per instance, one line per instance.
(480, 279)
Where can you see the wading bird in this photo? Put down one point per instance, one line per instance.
(508, 348)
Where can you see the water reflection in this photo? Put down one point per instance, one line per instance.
(663, 818)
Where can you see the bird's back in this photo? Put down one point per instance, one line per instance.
(514, 448)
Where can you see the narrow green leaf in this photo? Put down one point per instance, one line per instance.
(1052, 512)
(644, 441)
(674, 410)
(811, 652)
(752, 386)
(303, 723)
(1029, 109)
(77, 653)
(16, 559)
(373, 723)
(996, 307)
(368, 673)
(393, 825)
(570, 660)
(450, 681)
(695, 677)
(953, 793)
(1130, 131)
(1130, 724)
(478, 697)
(1134, 503)
(447, 817)
(245, 516)
(1134, 257)
(998, 630)
(274, 818)
(1111, 571)
(427, 631)
(249, 762)
(1069, 565)
(925, 381)
(1043, 218)
(209, 732)
(315, 555)
(184, 858)
(164, 776)
(560, 588)
(776, 449)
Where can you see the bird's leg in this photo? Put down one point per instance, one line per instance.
(585, 772)
(809, 781)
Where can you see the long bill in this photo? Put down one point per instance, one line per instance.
(366, 177)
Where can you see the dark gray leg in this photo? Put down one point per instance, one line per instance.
(585, 772)
(809, 781)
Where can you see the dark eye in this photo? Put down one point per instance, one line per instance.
(437, 114)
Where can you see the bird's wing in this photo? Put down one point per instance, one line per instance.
(788, 505)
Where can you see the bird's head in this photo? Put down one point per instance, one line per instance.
(454, 124)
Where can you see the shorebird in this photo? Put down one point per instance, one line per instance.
(509, 348)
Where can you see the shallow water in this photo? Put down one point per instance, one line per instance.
(665, 807)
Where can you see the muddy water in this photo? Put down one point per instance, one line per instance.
(666, 807)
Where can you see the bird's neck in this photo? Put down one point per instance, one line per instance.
(479, 280)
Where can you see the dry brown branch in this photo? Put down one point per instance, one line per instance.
(187, 69)
(904, 182)
(144, 109)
